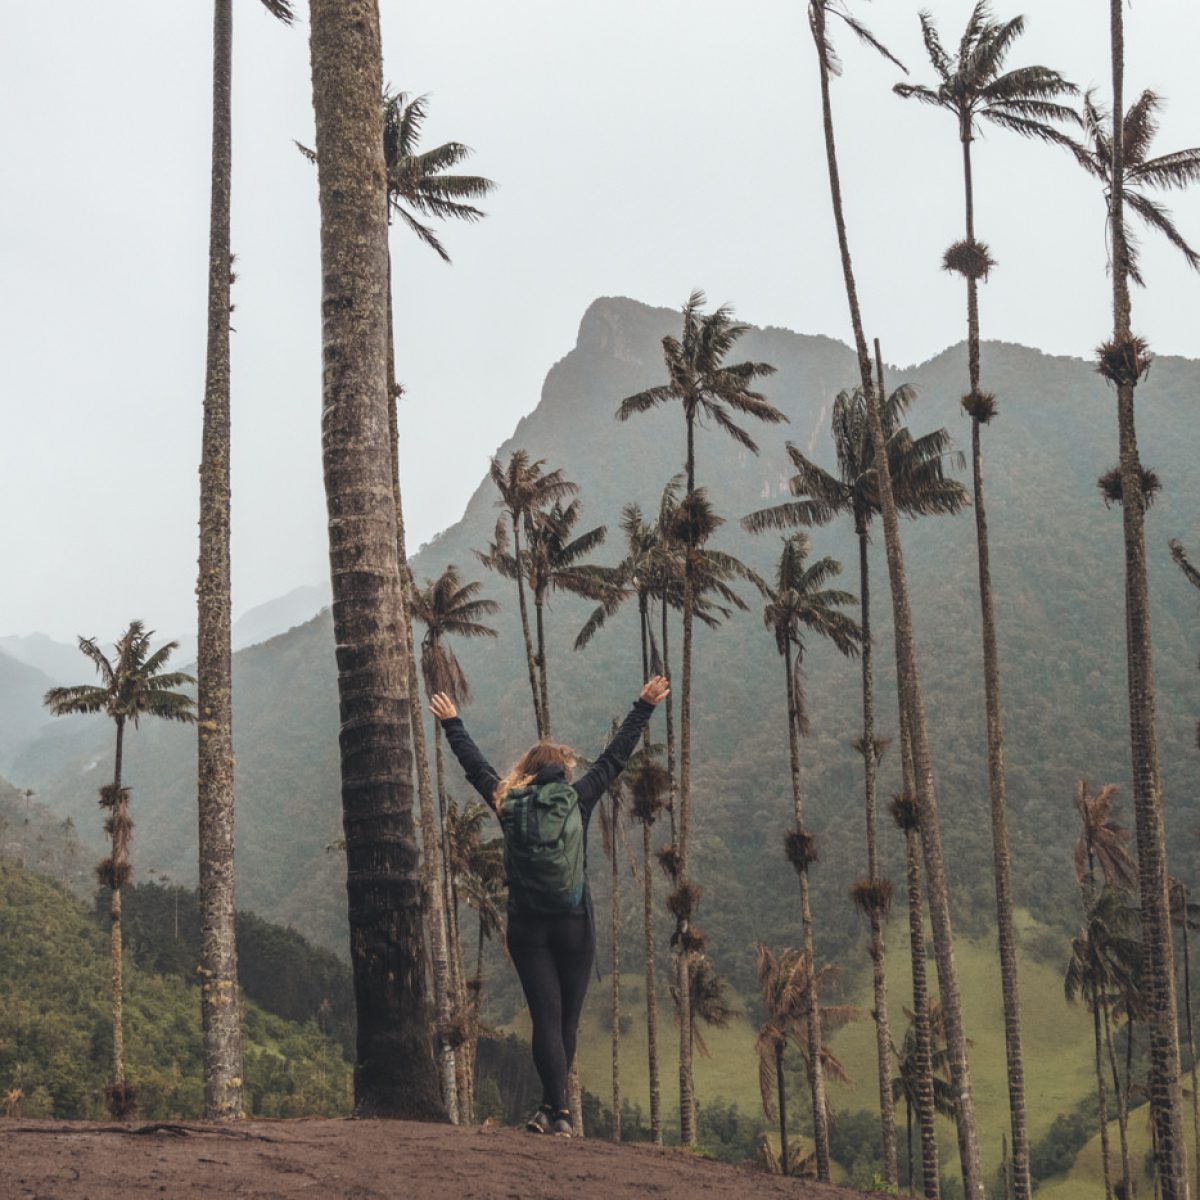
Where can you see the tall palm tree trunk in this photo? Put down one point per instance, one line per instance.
(816, 1068)
(539, 604)
(530, 660)
(219, 1007)
(656, 1133)
(1101, 1101)
(909, 683)
(926, 1108)
(1001, 857)
(1166, 1100)
(672, 794)
(1122, 1107)
(883, 1035)
(687, 1090)
(1187, 1008)
(785, 1158)
(118, 993)
(432, 859)
(395, 1073)
(616, 972)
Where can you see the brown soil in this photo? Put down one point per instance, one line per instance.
(357, 1160)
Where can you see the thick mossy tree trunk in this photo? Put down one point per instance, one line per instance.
(883, 1033)
(804, 856)
(909, 677)
(981, 409)
(219, 1007)
(1166, 1095)
(395, 1074)
(433, 877)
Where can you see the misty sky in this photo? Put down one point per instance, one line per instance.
(643, 147)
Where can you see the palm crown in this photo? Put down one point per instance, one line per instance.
(1160, 173)
(418, 181)
(917, 467)
(699, 378)
(132, 684)
(973, 85)
(800, 602)
(447, 606)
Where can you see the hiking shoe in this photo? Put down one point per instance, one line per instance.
(561, 1125)
(542, 1121)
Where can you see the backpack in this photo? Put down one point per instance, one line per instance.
(543, 849)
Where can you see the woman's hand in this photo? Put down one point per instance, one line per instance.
(656, 690)
(442, 707)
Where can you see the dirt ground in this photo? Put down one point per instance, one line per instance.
(356, 1160)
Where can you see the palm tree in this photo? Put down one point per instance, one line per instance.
(219, 1009)
(525, 489)
(555, 564)
(1120, 161)
(974, 88)
(418, 183)
(396, 1074)
(449, 607)
(910, 1079)
(921, 489)
(924, 1094)
(637, 576)
(800, 603)
(908, 675)
(705, 387)
(783, 979)
(1101, 841)
(1099, 967)
(648, 785)
(133, 684)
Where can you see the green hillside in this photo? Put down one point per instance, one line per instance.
(56, 1024)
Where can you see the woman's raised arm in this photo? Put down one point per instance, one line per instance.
(481, 775)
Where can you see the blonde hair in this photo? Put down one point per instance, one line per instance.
(525, 770)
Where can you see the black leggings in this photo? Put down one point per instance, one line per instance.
(553, 957)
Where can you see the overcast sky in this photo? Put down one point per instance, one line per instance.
(643, 147)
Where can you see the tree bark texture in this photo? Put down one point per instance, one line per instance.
(656, 1133)
(908, 678)
(883, 1033)
(432, 873)
(1166, 1094)
(395, 1073)
(687, 1089)
(816, 1065)
(118, 992)
(530, 659)
(539, 604)
(220, 1011)
(785, 1164)
(926, 1110)
(1001, 857)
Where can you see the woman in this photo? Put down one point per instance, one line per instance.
(550, 931)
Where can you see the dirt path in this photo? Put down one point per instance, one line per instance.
(356, 1160)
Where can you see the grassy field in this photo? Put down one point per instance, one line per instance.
(1057, 1044)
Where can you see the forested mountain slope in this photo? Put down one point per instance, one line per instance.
(1057, 571)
